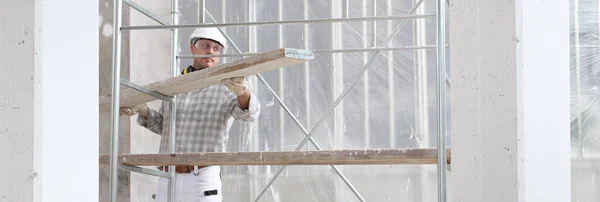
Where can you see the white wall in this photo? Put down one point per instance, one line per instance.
(510, 101)
(50, 101)
(69, 100)
(545, 104)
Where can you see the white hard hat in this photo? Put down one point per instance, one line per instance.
(211, 33)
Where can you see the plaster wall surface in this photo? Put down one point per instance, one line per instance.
(16, 100)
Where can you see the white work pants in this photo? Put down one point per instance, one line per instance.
(192, 188)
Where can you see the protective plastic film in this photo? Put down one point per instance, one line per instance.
(391, 105)
(585, 100)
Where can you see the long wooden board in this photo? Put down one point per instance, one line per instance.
(324, 157)
(210, 76)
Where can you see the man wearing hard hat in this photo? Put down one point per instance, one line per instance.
(204, 117)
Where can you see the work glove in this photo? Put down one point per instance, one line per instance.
(142, 109)
(237, 85)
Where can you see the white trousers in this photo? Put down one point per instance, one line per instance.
(193, 188)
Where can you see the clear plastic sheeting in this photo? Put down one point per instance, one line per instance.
(391, 106)
(585, 100)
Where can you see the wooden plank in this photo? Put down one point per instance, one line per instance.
(324, 157)
(210, 76)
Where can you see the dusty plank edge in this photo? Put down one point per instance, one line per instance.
(324, 157)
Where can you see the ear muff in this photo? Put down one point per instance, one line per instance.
(189, 69)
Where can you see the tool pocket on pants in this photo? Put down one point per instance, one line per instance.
(207, 186)
(206, 194)
(211, 195)
(200, 193)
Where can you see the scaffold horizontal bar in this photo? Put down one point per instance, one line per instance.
(351, 50)
(285, 22)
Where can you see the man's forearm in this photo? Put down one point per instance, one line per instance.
(244, 100)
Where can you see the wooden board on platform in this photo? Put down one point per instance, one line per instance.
(324, 157)
(249, 66)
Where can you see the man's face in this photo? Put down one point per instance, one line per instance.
(207, 47)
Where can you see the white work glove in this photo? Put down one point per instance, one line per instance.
(142, 109)
(237, 85)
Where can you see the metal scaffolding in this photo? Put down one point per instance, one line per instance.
(340, 15)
